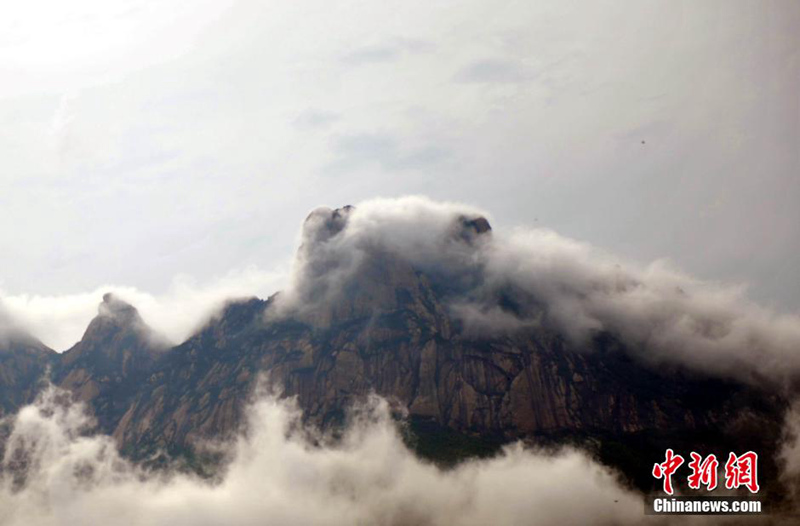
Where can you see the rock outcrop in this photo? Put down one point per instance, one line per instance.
(110, 363)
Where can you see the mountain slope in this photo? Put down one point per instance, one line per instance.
(390, 331)
(110, 362)
(24, 362)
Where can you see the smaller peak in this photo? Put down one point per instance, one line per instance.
(13, 335)
(117, 309)
(116, 320)
(115, 334)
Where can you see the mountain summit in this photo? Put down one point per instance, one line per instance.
(116, 339)
(114, 355)
(117, 310)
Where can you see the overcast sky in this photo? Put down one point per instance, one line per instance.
(145, 140)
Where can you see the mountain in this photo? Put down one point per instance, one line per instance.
(24, 361)
(111, 361)
(377, 321)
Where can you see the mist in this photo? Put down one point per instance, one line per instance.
(56, 472)
(60, 320)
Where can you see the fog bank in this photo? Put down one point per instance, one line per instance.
(277, 477)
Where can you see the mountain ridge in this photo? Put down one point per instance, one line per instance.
(376, 322)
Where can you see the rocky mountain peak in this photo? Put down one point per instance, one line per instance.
(121, 312)
(116, 351)
(118, 330)
(116, 320)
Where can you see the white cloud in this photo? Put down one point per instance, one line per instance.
(661, 315)
(93, 41)
(183, 152)
(276, 476)
(59, 321)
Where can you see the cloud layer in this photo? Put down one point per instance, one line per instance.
(277, 476)
(59, 320)
(128, 121)
(661, 314)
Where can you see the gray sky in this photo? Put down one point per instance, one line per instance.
(145, 141)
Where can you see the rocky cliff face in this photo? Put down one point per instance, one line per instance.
(110, 363)
(387, 326)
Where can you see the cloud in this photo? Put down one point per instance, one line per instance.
(51, 47)
(60, 320)
(660, 314)
(59, 130)
(197, 101)
(663, 315)
(493, 71)
(53, 471)
(334, 244)
(7, 326)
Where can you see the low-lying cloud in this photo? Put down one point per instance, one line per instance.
(59, 321)
(369, 477)
(55, 473)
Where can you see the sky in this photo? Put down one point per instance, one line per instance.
(151, 144)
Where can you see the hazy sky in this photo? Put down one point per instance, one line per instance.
(144, 140)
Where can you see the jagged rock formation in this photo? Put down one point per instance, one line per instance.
(389, 330)
(111, 362)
